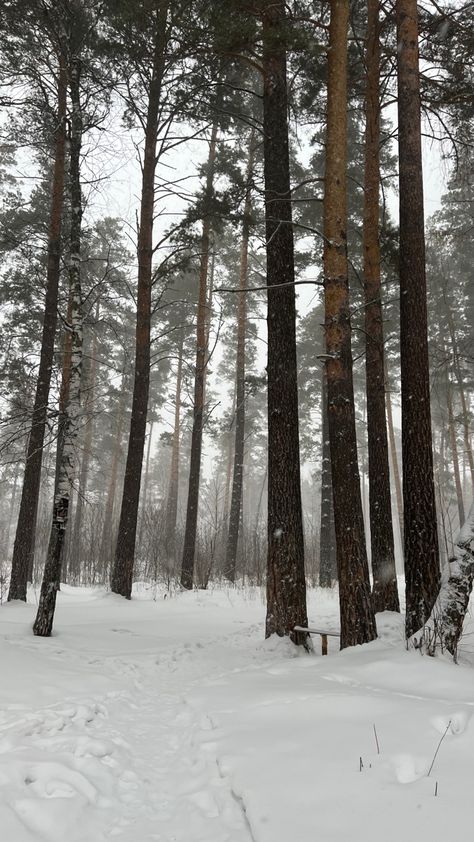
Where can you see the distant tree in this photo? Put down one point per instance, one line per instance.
(107, 533)
(173, 487)
(327, 543)
(315, 444)
(240, 397)
(189, 548)
(89, 386)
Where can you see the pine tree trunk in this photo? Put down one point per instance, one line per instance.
(237, 478)
(173, 488)
(466, 426)
(422, 572)
(256, 531)
(462, 394)
(286, 585)
(122, 573)
(454, 451)
(144, 492)
(106, 549)
(147, 468)
(357, 615)
(11, 509)
(77, 544)
(384, 590)
(464, 472)
(66, 468)
(23, 549)
(363, 477)
(189, 549)
(394, 457)
(63, 396)
(440, 470)
(228, 471)
(327, 535)
(209, 305)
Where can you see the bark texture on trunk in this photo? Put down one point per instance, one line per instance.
(72, 407)
(327, 537)
(190, 532)
(384, 590)
(357, 615)
(122, 573)
(238, 473)
(22, 561)
(286, 585)
(422, 574)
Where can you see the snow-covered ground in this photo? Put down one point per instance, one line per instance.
(173, 720)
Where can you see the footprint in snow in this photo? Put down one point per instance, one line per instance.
(452, 723)
(409, 768)
(206, 803)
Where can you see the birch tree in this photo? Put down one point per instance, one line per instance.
(49, 32)
(443, 629)
(66, 466)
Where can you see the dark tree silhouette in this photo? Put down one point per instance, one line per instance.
(422, 572)
(286, 587)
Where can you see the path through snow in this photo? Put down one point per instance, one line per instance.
(126, 761)
(173, 720)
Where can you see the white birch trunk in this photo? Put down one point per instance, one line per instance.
(67, 461)
(444, 628)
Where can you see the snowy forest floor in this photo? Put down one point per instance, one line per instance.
(173, 720)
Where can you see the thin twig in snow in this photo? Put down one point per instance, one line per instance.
(448, 726)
